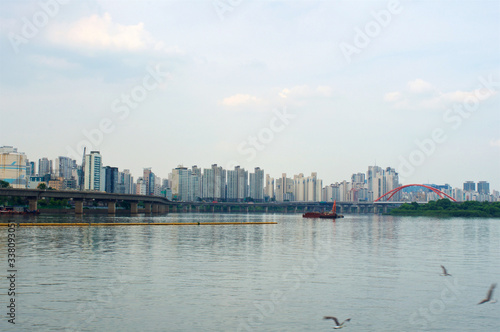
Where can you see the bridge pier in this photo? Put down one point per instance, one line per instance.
(78, 206)
(156, 208)
(213, 209)
(133, 208)
(266, 209)
(147, 207)
(228, 209)
(33, 204)
(111, 207)
(286, 209)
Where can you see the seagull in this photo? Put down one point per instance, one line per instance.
(444, 271)
(488, 296)
(338, 326)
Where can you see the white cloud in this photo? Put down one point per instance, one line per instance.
(422, 95)
(240, 99)
(495, 143)
(419, 86)
(53, 62)
(392, 96)
(305, 91)
(101, 33)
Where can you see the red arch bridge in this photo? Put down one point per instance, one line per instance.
(394, 191)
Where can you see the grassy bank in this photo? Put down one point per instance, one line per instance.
(446, 208)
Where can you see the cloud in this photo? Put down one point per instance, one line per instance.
(423, 95)
(305, 91)
(419, 86)
(54, 62)
(392, 96)
(240, 99)
(101, 33)
(495, 143)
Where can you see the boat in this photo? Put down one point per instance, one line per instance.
(8, 211)
(324, 215)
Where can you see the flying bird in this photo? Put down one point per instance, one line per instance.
(445, 273)
(337, 326)
(488, 296)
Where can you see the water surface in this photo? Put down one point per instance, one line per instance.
(383, 272)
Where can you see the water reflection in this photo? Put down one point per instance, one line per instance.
(255, 277)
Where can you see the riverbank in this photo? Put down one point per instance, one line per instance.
(446, 208)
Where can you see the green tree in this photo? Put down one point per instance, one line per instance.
(42, 185)
(4, 184)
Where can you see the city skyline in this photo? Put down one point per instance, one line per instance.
(98, 178)
(159, 173)
(291, 87)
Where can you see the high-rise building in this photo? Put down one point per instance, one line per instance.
(44, 167)
(313, 188)
(269, 189)
(64, 167)
(469, 186)
(256, 185)
(483, 187)
(299, 187)
(237, 184)
(93, 172)
(13, 167)
(284, 189)
(180, 183)
(213, 184)
(381, 181)
(111, 180)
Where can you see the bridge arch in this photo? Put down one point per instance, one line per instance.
(394, 191)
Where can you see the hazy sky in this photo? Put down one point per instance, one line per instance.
(289, 86)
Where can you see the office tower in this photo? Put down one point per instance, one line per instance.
(44, 167)
(256, 185)
(180, 183)
(469, 186)
(125, 182)
(93, 171)
(195, 184)
(64, 167)
(32, 171)
(483, 187)
(111, 180)
(13, 167)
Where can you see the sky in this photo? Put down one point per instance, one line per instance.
(288, 86)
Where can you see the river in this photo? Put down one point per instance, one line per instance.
(383, 272)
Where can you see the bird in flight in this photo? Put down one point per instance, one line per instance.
(338, 325)
(488, 296)
(445, 273)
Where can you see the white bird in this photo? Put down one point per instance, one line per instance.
(488, 296)
(445, 273)
(338, 326)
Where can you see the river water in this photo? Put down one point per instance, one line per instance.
(383, 272)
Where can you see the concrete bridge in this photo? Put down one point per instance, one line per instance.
(152, 204)
(284, 207)
(156, 204)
